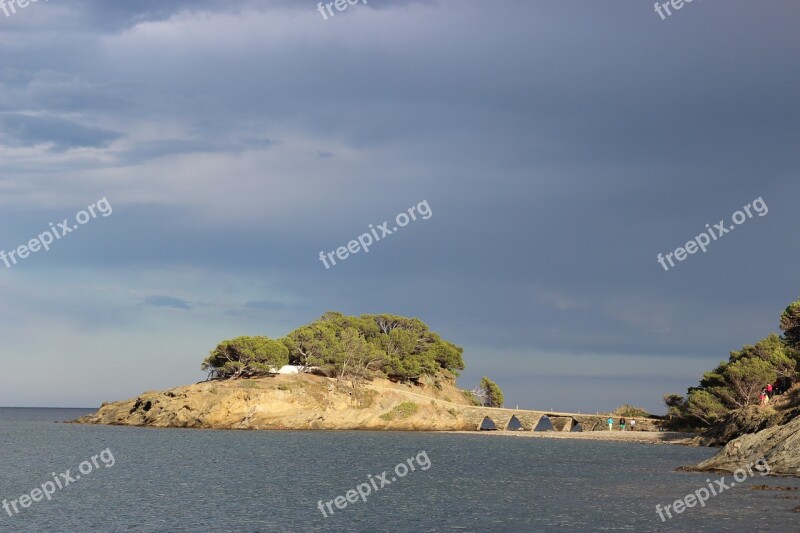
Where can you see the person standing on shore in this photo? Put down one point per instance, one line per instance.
(622, 423)
(610, 424)
(633, 425)
(769, 391)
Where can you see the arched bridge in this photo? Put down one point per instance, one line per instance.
(476, 417)
(523, 420)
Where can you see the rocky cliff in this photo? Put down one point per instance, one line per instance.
(771, 432)
(297, 401)
(303, 401)
(778, 445)
(783, 409)
(745, 421)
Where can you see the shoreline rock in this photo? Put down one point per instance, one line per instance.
(745, 421)
(778, 445)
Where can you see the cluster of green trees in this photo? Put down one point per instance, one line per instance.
(344, 347)
(245, 357)
(737, 382)
(489, 394)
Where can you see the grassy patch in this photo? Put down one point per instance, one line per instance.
(403, 410)
(364, 398)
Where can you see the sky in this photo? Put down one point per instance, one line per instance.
(559, 146)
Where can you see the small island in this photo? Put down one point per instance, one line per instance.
(373, 372)
(388, 372)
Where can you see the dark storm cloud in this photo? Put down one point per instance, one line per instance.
(561, 146)
(117, 16)
(22, 130)
(166, 301)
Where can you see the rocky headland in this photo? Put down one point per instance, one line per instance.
(769, 432)
(294, 401)
(307, 401)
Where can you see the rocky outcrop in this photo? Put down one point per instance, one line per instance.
(304, 401)
(289, 402)
(779, 446)
(745, 421)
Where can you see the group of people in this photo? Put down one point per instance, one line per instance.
(780, 386)
(768, 392)
(622, 424)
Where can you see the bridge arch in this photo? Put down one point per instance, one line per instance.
(487, 424)
(514, 424)
(544, 424)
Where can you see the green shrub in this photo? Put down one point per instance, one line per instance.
(630, 411)
(403, 410)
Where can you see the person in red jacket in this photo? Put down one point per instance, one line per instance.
(769, 391)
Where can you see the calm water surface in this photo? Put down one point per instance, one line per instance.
(209, 481)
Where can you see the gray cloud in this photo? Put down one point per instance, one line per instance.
(166, 301)
(20, 130)
(560, 148)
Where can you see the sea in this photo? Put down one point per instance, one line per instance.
(77, 478)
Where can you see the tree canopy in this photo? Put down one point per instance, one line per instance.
(246, 357)
(393, 346)
(490, 393)
(737, 382)
(344, 347)
(790, 325)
